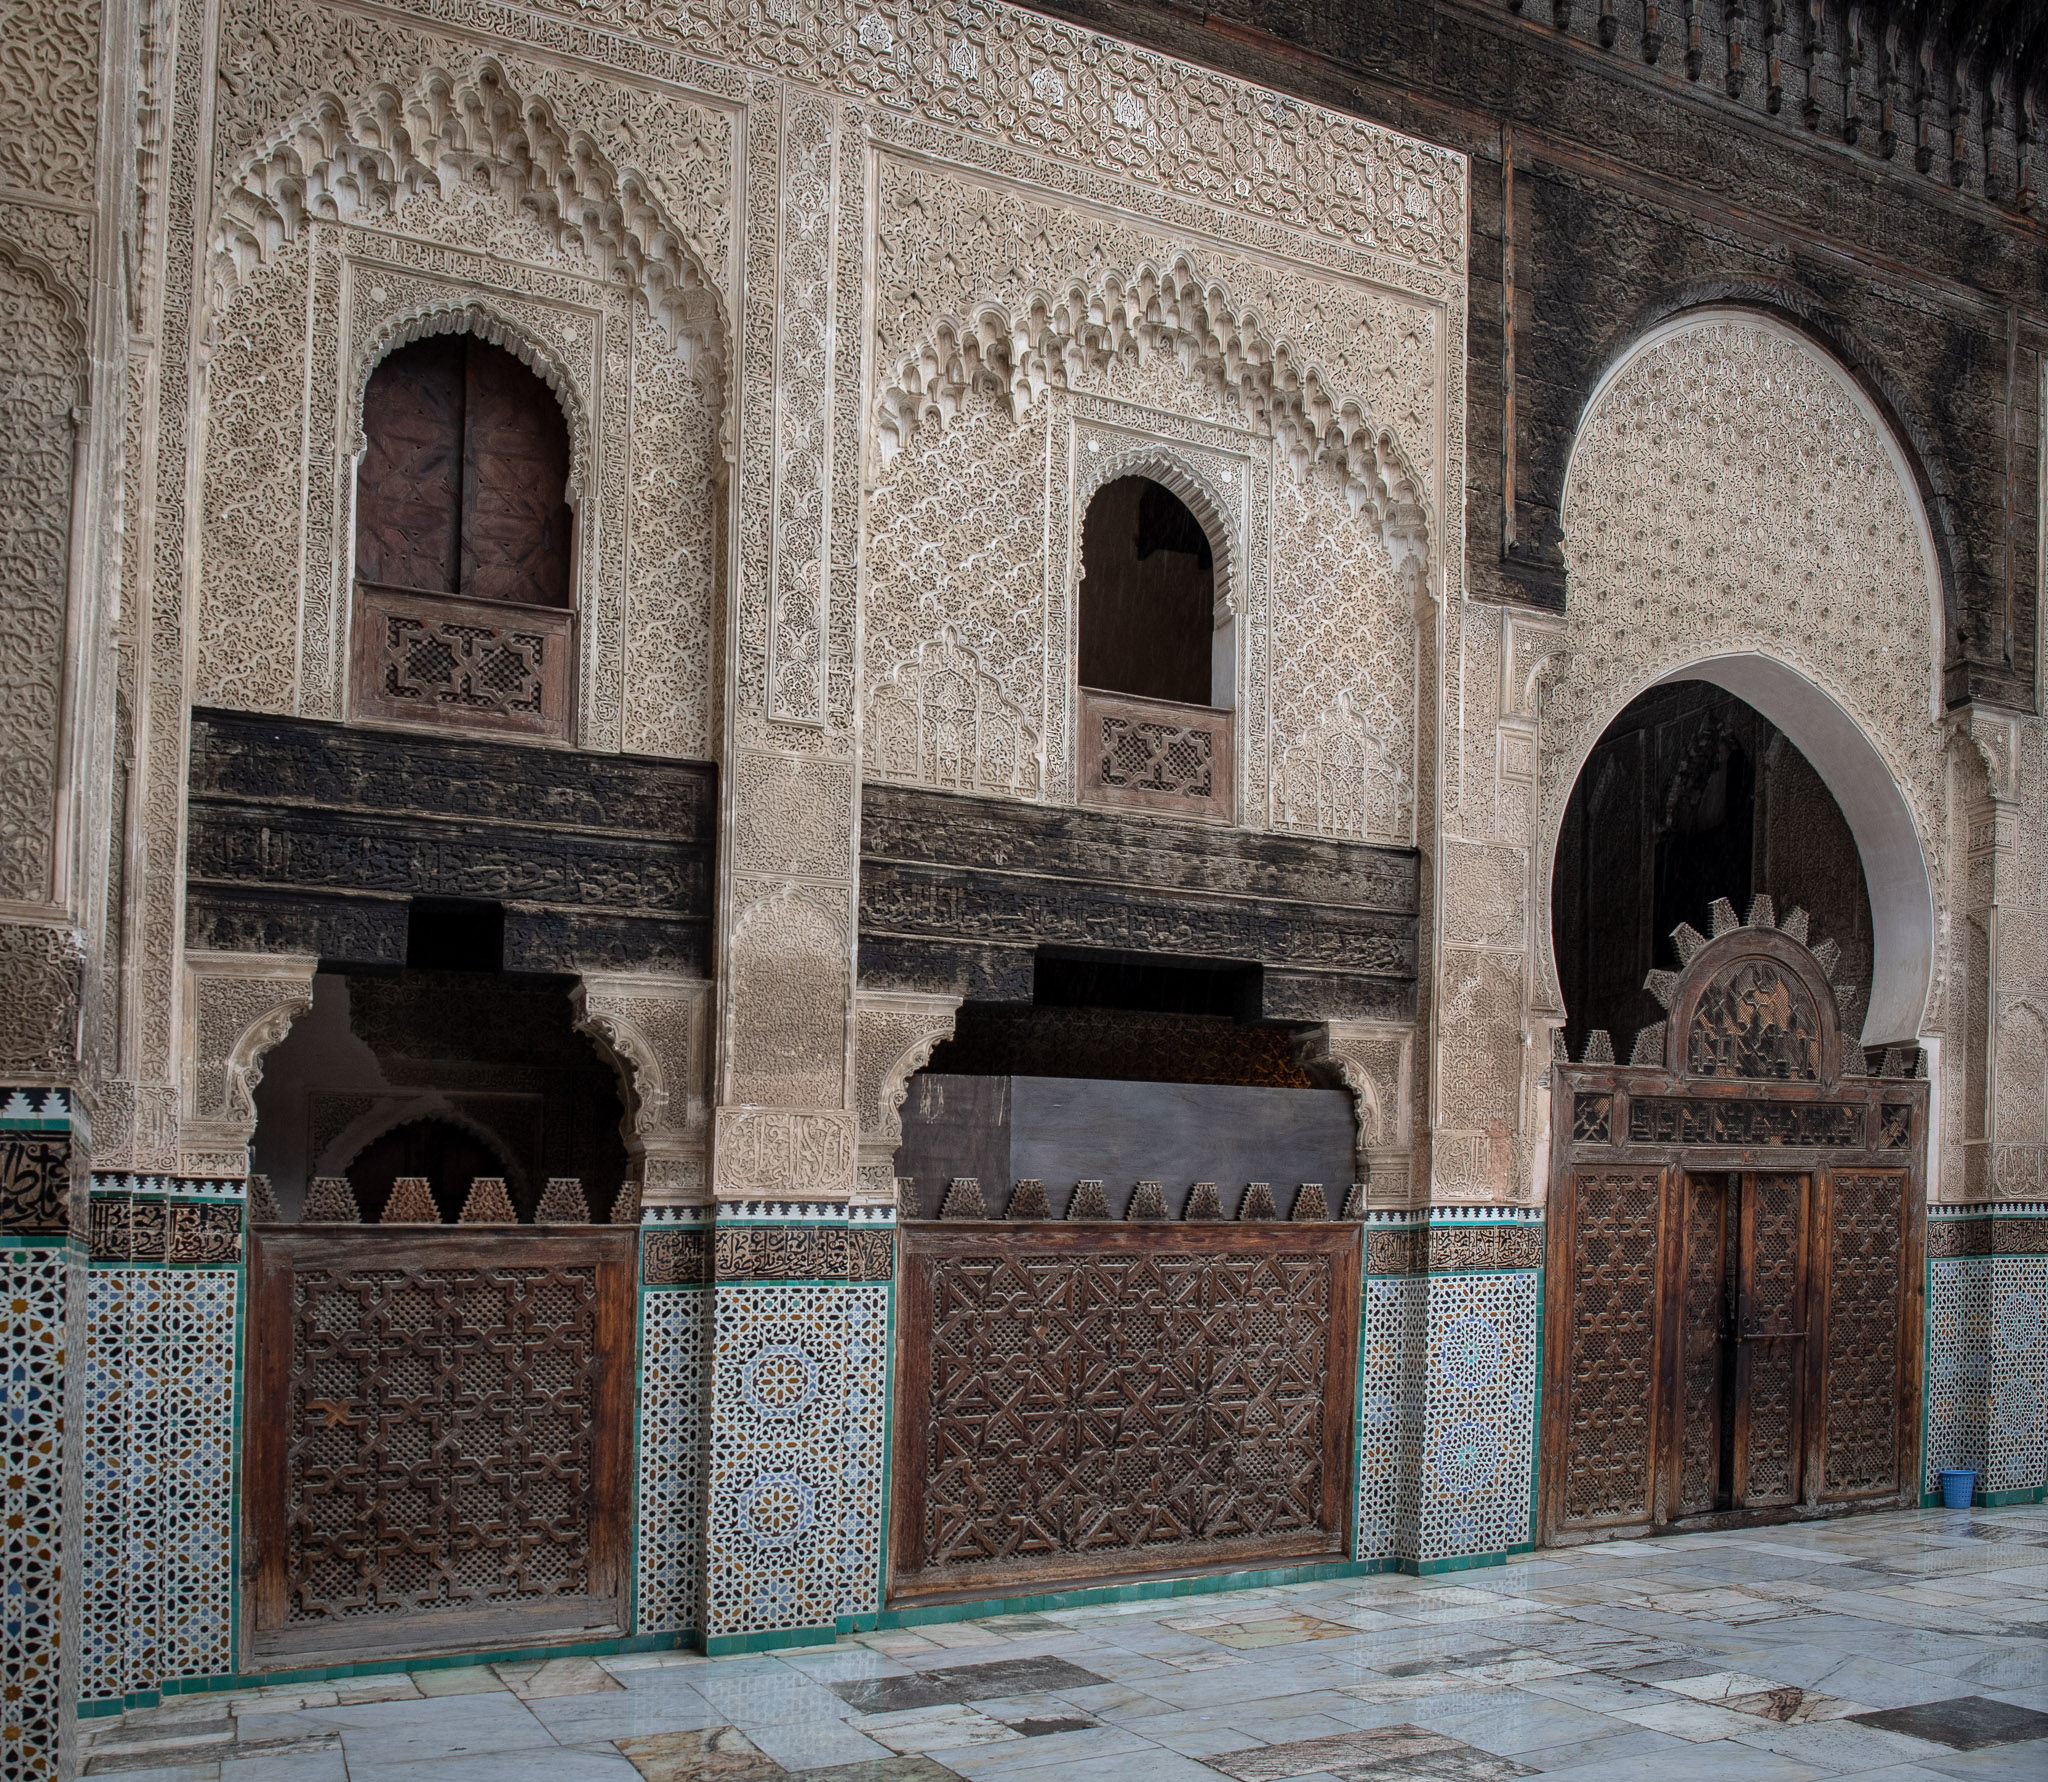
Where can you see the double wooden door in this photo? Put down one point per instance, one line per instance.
(1742, 1335)
(1725, 1345)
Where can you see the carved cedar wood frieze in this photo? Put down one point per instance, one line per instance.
(957, 892)
(308, 837)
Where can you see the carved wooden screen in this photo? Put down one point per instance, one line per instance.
(1703, 1327)
(1609, 1245)
(1083, 1401)
(1863, 1340)
(1735, 1227)
(438, 1440)
(1770, 1367)
(1149, 754)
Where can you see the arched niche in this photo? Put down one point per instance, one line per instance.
(1737, 511)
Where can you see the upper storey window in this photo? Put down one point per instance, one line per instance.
(464, 563)
(1150, 648)
(1148, 596)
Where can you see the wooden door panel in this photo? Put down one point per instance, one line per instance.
(439, 1439)
(1605, 1469)
(1770, 1335)
(1864, 1314)
(515, 473)
(409, 490)
(1703, 1337)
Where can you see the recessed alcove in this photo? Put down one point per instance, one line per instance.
(446, 1074)
(1692, 794)
(1124, 1068)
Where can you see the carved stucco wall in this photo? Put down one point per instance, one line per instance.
(1029, 355)
(448, 224)
(1996, 1075)
(45, 352)
(63, 205)
(774, 257)
(1730, 493)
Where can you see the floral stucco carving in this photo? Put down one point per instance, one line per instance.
(894, 1033)
(1375, 1062)
(1730, 492)
(237, 1007)
(297, 331)
(359, 156)
(45, 361)
(652, 1029)
(41, 981)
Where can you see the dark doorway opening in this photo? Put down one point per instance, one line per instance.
(1148, 595)
(448, 1073)
(1691, 795)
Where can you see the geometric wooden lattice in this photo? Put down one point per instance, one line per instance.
(1771, 1297)
(1865, 1237)
(1076, 1402)
(1613, 1347)
(438, 1437)
(1154, 755)
(1702, 1328)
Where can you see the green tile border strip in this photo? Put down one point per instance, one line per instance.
(776, 1639)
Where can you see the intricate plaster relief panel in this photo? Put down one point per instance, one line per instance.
(1376, 1063)
(913, 203)
(1299, 396)
(895, 1031)
(354, 235)
(1729, 494)
(654, 1029)
(1998, 1072)
(38, 443)
(237, 1006)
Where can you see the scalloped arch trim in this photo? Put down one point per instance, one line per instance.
(472, 316)
(364, 157)
(1151, 314)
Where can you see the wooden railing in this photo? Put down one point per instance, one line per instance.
(1156, 755)
(450, 659)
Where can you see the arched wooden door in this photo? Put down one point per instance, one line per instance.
(1736, 1228)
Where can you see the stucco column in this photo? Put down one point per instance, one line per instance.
(797, 1359)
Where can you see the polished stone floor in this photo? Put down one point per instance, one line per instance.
(1890, 1647)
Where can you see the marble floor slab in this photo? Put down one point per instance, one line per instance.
(1897, 1648)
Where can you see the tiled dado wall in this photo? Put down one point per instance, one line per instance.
(42, 1313)
(161, 1416)
(765, 1348)
(1451, 1367)
(1987, 1348)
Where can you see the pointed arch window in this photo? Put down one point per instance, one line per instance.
(1157, 659)
(465, 540)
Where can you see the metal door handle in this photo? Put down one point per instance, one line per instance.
(1770, 1336)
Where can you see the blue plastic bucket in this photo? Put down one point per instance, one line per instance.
(1958, 1486)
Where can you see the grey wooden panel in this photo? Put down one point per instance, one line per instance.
(1064, 1129)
